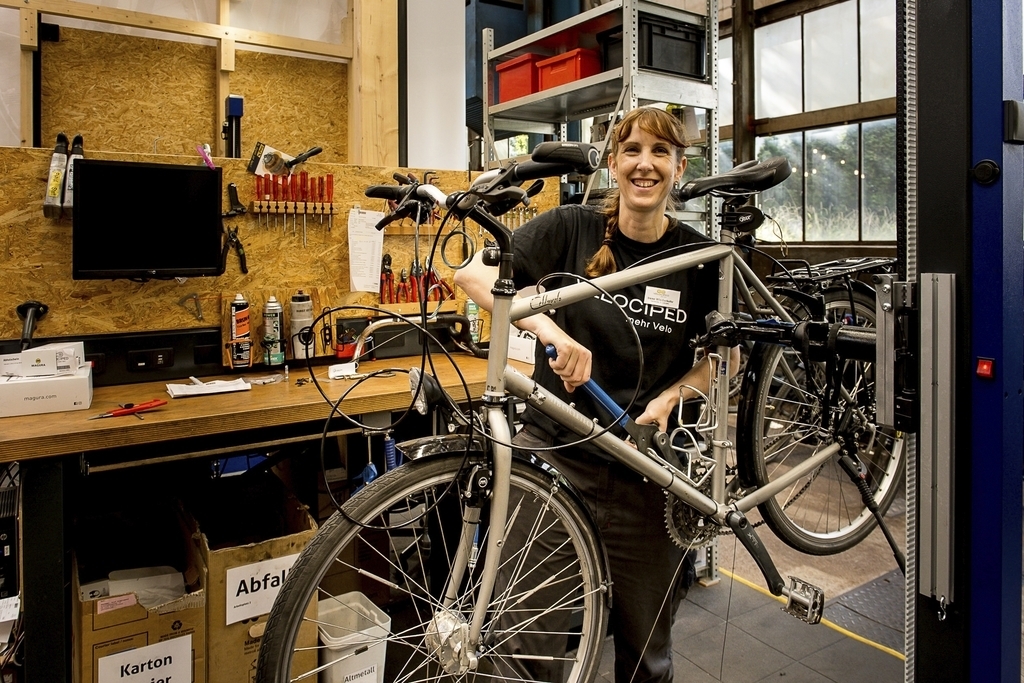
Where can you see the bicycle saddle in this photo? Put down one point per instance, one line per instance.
(745, 179)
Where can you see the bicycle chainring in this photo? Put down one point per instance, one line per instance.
(688, 527)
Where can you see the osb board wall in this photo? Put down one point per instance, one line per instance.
(145, 96)
(35, 254)
(293, 104)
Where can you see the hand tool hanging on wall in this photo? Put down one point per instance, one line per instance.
(236, 208)
(320, 197)
(402, 295)
(276, 164)
(304, 191)
(232, 241)
(387, 281)
(330, 200)
(293, 190)
(257, 204)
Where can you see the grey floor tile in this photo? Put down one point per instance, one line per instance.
(692, 618)
(744, 659)
(786, 633)
(727, 598)
(796, 673)
(687, 672)
(850, 661)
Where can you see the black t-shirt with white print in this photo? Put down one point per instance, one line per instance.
(666, 312)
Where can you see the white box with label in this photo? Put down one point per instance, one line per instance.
(58, 358)
(50, 394)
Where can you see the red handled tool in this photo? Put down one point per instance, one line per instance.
(330, 200)
(132, 409)
(320, 197)
(258, 202)
(402, 295)
(387, 281)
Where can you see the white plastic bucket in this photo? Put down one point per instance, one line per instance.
(352, 630)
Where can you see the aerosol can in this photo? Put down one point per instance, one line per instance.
(241, 346)
(301, 317)
(77, 152)
(273, 326)
(55, 180)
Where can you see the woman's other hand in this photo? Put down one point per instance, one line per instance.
(659, 410)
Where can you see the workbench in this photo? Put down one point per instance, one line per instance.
(50, 448)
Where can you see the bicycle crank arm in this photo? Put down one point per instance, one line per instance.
(803, 600)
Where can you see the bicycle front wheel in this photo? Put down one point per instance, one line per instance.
(391, 559)
(780, 425)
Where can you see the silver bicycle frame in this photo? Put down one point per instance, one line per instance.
(502, 378)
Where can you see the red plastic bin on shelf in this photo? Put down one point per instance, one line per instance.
(568, 67)
(517, 77)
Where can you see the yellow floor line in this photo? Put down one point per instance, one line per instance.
(826, 622)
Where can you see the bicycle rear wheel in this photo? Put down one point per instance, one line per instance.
(543, 620)
(780, 425)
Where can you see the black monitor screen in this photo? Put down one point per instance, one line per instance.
(145, 221)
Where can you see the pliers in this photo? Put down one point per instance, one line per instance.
(402, 295)
(437, 289)
(387, 281)
(416, 281)
(233, 241)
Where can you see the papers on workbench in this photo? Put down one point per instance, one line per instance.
(217, 386)
(365, 244)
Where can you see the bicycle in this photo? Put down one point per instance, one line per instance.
(426, 542)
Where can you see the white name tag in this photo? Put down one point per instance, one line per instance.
(659, 296)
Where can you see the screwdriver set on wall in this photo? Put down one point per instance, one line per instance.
(280, 200)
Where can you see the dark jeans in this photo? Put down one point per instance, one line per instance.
(648, 572)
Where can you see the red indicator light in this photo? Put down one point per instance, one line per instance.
(985, 368)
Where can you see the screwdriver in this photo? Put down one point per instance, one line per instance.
(276, 190)
(304, 191)
(320, 195)
(258, 201)
(330, 199)
(266, 196)
(131, 409)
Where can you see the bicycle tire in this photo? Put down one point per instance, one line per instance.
(404, 569)
(778, 426)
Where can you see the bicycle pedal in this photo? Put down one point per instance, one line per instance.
(805, 601)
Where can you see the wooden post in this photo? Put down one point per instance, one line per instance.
(29, 44)
(373, 84)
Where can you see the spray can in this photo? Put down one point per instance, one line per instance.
(55, 180)
(301, 317)
(240, 334)
(473, 315)
(273, 326)
(77, 152)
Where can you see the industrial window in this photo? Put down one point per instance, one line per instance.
(843, 187)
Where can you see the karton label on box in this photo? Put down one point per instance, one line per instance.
(160, 663)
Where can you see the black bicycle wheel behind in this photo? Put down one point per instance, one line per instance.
(779, 426)
(543, 623)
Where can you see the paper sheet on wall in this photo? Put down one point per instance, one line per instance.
(365, 244)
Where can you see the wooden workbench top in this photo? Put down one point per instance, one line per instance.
(264, 405)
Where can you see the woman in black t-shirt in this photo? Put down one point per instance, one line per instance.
(649, 573)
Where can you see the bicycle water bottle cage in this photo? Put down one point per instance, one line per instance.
(744, 180)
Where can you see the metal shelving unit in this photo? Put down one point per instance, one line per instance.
(620, 88)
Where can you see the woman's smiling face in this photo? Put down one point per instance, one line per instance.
(645, 168)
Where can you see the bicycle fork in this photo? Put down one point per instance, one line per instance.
(455, 641)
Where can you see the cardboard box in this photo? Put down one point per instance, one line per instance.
(246, 575)
(117, 639)
(51, 394)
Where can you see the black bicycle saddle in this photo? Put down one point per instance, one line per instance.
(745, 179)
